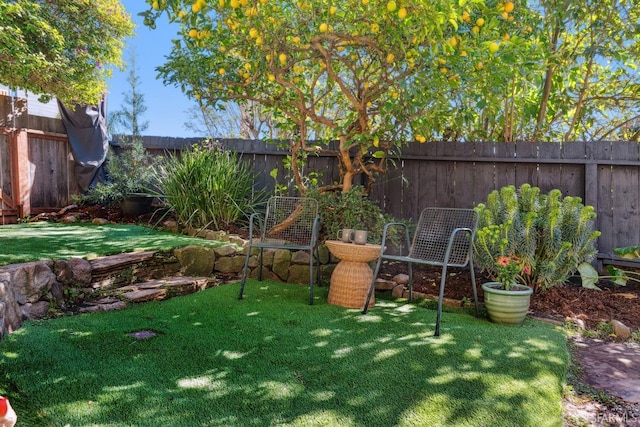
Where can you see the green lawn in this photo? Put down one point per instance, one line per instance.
(271, 359)
(47, 240)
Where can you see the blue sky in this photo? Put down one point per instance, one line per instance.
(166, 105)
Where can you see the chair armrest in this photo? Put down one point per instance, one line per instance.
(385, 232)
(452, 237)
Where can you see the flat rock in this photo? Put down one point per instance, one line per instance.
(612, 367)
(146, 295)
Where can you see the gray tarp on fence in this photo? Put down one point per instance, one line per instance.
(87, 130)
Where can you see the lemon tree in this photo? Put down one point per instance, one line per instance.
(356, 77)
(65, 48)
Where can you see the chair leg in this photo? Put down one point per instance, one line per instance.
(372, 287)
(244, 272)
(318, 266)
(443, 280)
(475, 289)
(311, 279)
(410, 281)
(260, 265)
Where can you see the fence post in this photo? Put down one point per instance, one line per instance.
(21, 171)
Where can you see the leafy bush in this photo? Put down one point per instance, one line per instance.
(350, 210)
(129, 172)
(549, 234)
(208, 188)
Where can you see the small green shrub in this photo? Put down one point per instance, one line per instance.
(550, 235)
(208, 188)
(350, 210)
(129, 172)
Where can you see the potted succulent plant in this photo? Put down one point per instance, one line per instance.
(507, 299)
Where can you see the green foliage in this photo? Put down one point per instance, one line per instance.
(589, 276)
(65, 48)
(352, 209)
(205, 187)
(628, 252)
(351, 71)
(129, 173)
(549, 234)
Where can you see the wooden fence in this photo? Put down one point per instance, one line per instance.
(36, 164)
(606, 175)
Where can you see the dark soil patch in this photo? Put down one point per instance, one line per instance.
(621, 303)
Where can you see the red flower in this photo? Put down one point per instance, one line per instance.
(503, 261)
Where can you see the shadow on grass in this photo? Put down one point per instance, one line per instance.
(272, 359)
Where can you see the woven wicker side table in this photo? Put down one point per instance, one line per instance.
(352, 276)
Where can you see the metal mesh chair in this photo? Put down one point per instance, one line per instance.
(443, 237)
(289, 223)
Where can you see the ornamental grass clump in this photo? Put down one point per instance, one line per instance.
(550, 235)
(208, 188)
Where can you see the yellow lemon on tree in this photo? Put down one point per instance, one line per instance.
(365, 2)
(271, 77)
(466, 17)
(282, 58)
(221, 3)
(375, 28)
(181, 14)
(193, 33)
(493, 47)
(475, 30)
(155, 5)
(390, 58)
(264, 1)
(221, 71)
(195, 7)
(324, 27)
(247, 66)
(505, 15)
(442, 61)
(391, 6)
(259, 41)
(508, 7)
(453, 41)
(253, 33)
(506, 37)
(480, 22)
(402, 13)
(333, 10)
(463, 53)
(479, 65)
(235, 4)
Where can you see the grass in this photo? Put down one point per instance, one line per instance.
(46, 240)
(271, 359)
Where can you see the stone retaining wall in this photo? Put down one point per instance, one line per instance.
(37, 289)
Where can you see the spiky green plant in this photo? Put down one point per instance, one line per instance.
(208, 188)
(550, 234)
